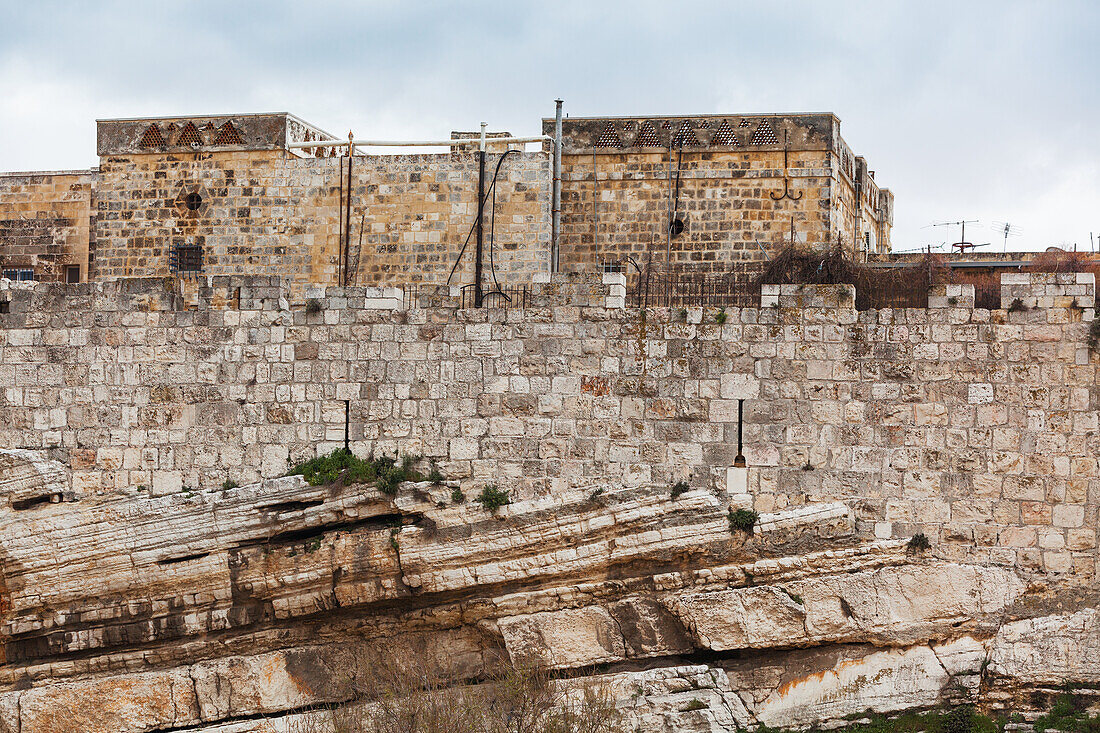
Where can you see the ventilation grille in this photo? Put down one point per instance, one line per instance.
(685, 136)
(189, 135)
(152, 138)
(609, 138)
(764, 135)
(745, 123)
(725, 135)
(228, 135)
(647, 137)
(186, 258)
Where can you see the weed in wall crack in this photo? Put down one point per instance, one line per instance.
(743, 520)
(680, 487)
(491, 498)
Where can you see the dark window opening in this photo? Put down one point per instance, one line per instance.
(72, 274)
(19, 274)
(186, 258)
(5, 306)
(192, 201)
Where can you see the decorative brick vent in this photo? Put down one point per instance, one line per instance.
(228, 135)
(189, 135)
(745, 123)
(725, 135)
(764, 135)
(152, 138)
(685, 136)
(609, 138)
(647, 137)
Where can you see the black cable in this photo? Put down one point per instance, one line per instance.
(493, 221)
(473, 227)
(676, 197)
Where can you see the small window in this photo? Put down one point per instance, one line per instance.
(72, 274)
(186, 258)
(20, 274)
(192, 201)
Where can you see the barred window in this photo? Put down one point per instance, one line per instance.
(19, 274)
(186, 258)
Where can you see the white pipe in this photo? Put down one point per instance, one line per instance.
(483, 126)
(417, 143)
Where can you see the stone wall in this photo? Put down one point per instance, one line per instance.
(46, 222)
(976, 427)
(271, 213)
(725, 178)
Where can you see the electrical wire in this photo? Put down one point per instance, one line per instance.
(473, 227)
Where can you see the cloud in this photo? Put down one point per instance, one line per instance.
(975, 110)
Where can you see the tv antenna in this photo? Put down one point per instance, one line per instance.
(962, 245)
(1007, 230)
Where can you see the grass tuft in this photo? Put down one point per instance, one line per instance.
(743, 520)
(491, 498)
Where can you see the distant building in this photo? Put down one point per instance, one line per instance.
(224, 194)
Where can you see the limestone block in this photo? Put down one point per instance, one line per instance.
(570, 638)
(1049, 649)
(882, 682)
(29, 476)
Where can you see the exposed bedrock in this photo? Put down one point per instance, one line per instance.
(226, 610)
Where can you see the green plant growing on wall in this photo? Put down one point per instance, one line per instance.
(1017, 306)
(680, 487)
(457, 496)
(695, 704)
(491, 498)
(721, 316)
(383, 471)
(683, 314)
(1093, 340)
(918, 543)
(594, 497)
(742, 520)
(229, 484)
(314, 305)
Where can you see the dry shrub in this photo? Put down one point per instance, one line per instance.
(1058, 260)
(403, 691)
(987, 287)
(898, 287)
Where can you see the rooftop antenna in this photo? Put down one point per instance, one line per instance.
(962, 245)
(1006, 230)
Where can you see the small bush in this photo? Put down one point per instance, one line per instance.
(1017, 306)
(229, 484)
(683, 314)
(341, 464)
(918, 543)
(457, 496)
(743, 520)
(808, 467)
(314, 305)
(491, 498)
(594, 497)
(721, 316)
(680, 487)
(1093, 340)
(953, 300)
(695, 704)
(435, 475)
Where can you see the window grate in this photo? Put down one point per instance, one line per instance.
(609, 138)
(764, 135)
(725, 135)
(152, 138)
(647, 137)
(745, 123)
(228, 135)
(189, 135)
(186, 258)
(19, 274)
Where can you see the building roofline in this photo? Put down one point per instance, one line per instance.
(707, 115)
(180, 117)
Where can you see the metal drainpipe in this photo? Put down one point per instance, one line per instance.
(480, 209)
(555, 207)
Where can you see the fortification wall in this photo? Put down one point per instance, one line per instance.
(46, 222)
(976, 427)
(270, 213)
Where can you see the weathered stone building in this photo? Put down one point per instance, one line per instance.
(225, 195)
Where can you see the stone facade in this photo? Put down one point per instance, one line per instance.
(47, 225)
(224, 195)
(724, 178)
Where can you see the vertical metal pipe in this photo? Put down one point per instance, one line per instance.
(739, 459)
(480, 210)
(555, 207)
(347, 424)
(347, 225)
(595, 208)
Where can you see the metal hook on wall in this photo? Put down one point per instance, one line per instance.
(786, 180)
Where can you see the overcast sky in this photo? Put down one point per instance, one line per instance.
(975, 110)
